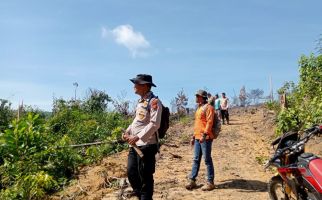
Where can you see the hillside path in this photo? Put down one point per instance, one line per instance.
(238, 155)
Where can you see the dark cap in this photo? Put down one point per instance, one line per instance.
(202, 93)
(143, 79)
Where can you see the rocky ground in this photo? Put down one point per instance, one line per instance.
(238, 154)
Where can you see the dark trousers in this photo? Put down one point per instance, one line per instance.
(224, 115)
(140, 171)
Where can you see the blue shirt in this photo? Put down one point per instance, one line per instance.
(217, 104)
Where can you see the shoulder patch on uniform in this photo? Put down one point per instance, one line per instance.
(145, 103)
(154, 104)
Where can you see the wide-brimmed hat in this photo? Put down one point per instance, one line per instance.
(143, 79)
(202, 93)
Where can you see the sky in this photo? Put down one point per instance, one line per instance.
(47, 45)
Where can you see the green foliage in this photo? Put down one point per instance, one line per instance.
(32, 186)
(311, 76)
(23, 139)
(6, 114)
(72, 119)
(289, 87)
(261, 159)
(93, 153)
(175, 117)
(35, 152)
(273, 105)
(305, 99)
(31, 163)
(42, 115)
(287, 120)
(97, 101)
(60, 159)
(186, 120)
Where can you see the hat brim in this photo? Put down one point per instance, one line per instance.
(137, 81)
(201, 95)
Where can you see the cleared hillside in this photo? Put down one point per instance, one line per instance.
(238, 155)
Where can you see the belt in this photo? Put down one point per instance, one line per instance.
(147, 146)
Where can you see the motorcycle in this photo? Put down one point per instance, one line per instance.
(299, 173)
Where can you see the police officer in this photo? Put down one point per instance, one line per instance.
(142, 137)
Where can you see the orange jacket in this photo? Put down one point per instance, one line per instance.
(204, 118)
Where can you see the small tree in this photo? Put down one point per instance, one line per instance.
(255, 95)
(242, 96)
(96, 101)
(121, 105)
(181, 102)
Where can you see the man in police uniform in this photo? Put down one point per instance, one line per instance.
(142, 136)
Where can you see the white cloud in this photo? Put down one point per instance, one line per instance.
(126, 36)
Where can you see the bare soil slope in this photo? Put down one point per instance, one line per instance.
(238, 154)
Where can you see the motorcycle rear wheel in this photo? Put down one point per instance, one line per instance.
(276, 189)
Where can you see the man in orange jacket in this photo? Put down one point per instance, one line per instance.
(202, 141)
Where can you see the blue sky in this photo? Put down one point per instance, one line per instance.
(46, 46)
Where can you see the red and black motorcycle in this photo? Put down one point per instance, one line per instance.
(299, 173)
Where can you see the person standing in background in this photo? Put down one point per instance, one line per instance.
(211, 99)
(224, 105)
(217, 106)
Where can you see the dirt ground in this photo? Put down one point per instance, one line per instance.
(238, 155)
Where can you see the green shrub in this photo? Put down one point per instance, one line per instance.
(305, 99)
(273, 105)
(35, 161)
